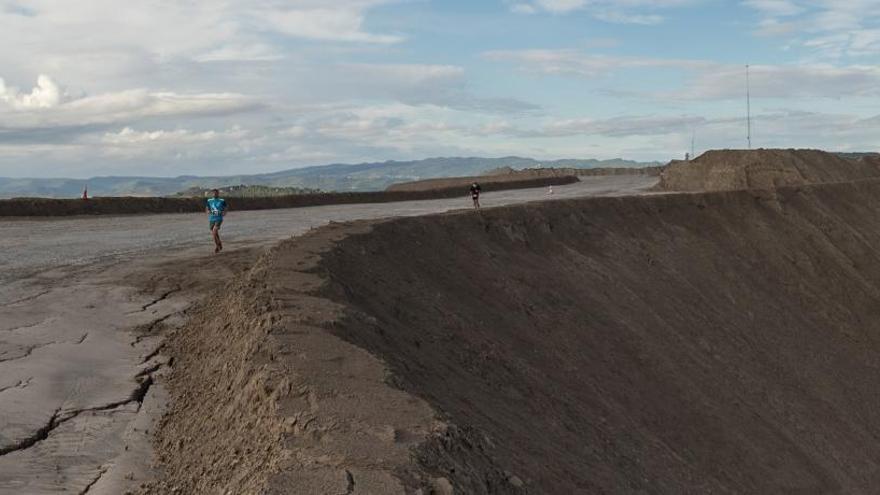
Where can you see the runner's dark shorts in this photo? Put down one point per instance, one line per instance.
(212, 223)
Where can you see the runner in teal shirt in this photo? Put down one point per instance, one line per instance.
(216, 208)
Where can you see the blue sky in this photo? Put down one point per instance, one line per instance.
(163, 87)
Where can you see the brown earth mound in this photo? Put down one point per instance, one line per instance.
(727, 170)
(495, 178)
(720, 342)
(134, 205)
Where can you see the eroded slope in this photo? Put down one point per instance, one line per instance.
(713, 343)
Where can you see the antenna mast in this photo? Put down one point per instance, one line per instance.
(749, 107)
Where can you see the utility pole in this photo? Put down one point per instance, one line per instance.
(693, 140)
(749, 107)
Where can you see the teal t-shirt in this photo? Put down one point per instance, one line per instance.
(216, 206)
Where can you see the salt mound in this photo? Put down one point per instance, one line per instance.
(725, 170)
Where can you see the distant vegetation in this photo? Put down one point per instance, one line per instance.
(857, 155)
(244, 191)
(339, 178)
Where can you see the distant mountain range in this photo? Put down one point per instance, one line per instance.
(337, 177)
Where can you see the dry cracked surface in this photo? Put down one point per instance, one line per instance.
(72, 381)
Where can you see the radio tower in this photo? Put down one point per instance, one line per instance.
(748, 107)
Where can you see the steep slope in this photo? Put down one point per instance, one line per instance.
(762, 169)
(711, 343)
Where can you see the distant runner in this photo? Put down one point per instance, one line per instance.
(216, 208)
(475, 194)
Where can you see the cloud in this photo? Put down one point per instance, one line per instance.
(706, 80)
(577, 63)
(775, 7)
(101, 38)
(786, 82)
(46, 94)
(612, 11)
(256, 52)
(831, 29)
(416, 84)
(622, 126)
(128, 136)
(46, 106)
(329, 23)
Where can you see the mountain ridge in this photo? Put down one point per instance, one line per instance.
(368, 176)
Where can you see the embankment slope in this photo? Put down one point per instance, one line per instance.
(723, 170)
(713, 343)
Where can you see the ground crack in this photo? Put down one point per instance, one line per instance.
(25, 327)
(350, 477)
(38, 436)
(19, 384)
(161, 298)
(148, 331)
(155, 352)
(30, 349)
(57, 420)
(24, 299)
(88, 487)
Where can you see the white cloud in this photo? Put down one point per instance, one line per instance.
(415, 84)
(577, 63)
(103, 39)
(786, 81)
(329, 23)
(612, 11)
(46, 94)
(706, 80)
(46, 106)
(128, 136)
(830, 28)
(560, 6)
(617, 17)
(256, 52)
(622, 126)
(775, 7)
(523, 8)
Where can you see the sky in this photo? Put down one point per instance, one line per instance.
(167, 88)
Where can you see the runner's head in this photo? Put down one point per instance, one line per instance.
(215, 193)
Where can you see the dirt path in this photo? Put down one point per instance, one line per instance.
(80, 299)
